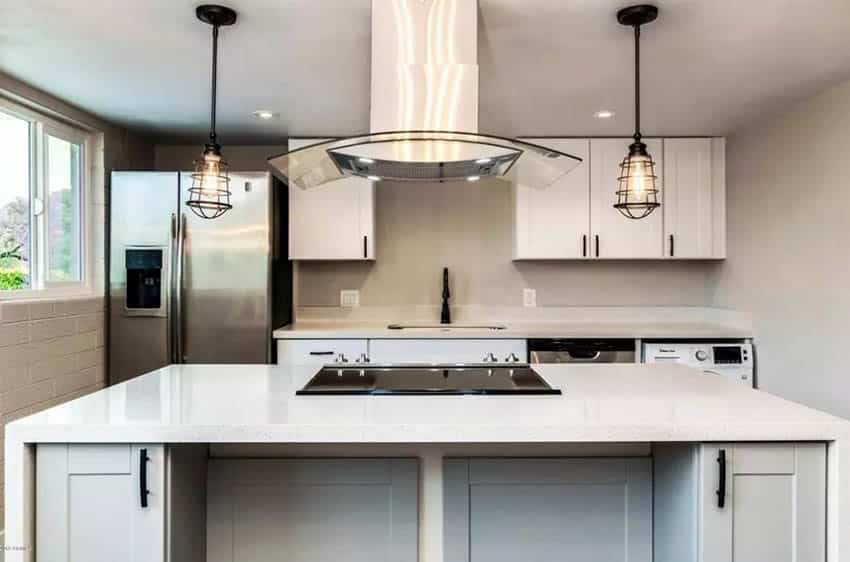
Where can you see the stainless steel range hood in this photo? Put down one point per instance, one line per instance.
(424, 114)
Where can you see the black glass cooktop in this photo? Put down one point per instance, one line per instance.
(426, 380)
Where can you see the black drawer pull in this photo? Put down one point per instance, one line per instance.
(597, 245)
(143, 477)
(721, 488)
(584, 246)
(319, 353)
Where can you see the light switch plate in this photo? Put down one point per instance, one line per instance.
(349, 298)
(529, 298)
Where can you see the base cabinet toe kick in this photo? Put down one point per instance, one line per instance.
(692, 502)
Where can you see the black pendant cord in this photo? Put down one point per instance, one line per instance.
(637, 135)
(214, 82)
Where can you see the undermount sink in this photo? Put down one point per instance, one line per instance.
(445, 327)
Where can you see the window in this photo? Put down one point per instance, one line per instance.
(42, 202)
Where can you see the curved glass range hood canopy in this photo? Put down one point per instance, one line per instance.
(423, 156)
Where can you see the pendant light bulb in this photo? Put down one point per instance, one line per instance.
(637, 195)
(209, 196)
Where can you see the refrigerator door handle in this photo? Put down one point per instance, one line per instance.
(172, 327)
(178, 291)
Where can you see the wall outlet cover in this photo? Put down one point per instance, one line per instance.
(529, 298)
(349, 298)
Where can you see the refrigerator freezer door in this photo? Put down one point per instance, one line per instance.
(143, 206)
(226, 301)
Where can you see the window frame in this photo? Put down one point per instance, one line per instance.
(40, 126)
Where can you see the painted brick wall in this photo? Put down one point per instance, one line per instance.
(51, 351)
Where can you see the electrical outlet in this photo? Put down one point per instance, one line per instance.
(529, 298)
(349, 298)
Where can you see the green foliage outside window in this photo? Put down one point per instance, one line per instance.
(11, 279)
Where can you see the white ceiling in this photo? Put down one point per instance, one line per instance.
(546, 66)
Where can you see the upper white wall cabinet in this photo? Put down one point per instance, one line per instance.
(335, 221)
(694, 206)
(575, 218)
(554, 223)
(615, 236)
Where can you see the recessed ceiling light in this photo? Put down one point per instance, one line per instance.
(604, 114)
(373, 178)
(473, 178)
(264, 114)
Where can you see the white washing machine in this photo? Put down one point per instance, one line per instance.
(733, 361)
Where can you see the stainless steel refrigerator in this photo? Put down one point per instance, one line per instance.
(183, 289)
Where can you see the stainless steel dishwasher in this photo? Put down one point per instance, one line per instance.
(559, 350)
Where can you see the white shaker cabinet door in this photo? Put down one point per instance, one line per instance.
(554, 222)
(90, 506)
(694, 206)
(774, 503)
(334, 221)
(547, 510)
(313, 510)
(614, 236)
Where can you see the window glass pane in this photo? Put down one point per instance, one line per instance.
(63, 210)
(14, 203)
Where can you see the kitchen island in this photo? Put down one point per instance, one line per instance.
(666, 413)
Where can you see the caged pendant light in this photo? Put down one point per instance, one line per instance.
(209, 196)
(637, 195)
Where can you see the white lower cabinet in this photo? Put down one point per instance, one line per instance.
(447, 351)
(90, 504)
(548, 510)
(313, 510)
(320, 352)
(754, 502)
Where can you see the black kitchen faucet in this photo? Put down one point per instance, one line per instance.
(446, 313)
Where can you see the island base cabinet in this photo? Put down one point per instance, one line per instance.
(753, 502)
(774, 507)
(313, 510)
(547, 510)
(91, 504)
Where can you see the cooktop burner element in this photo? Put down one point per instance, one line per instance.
(381, 380)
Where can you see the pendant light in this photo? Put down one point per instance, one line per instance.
(637, 195)
(209, 196)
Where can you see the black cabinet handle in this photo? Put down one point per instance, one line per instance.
(143, 477)
(365, 246)
(596, 238)
(721, 487)
(672, 246)
(584, 246)
(321, 353)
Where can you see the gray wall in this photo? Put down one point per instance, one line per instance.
(423, 227)
(788, 231)
(241, 158)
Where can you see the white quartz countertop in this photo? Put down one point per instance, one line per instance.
(341, 329)
(257, 404)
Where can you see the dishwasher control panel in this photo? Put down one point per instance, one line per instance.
(733, 361)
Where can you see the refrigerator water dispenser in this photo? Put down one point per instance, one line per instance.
(144, 279)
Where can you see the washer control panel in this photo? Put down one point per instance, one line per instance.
(733, 361)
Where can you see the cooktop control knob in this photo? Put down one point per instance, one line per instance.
(701, 355)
